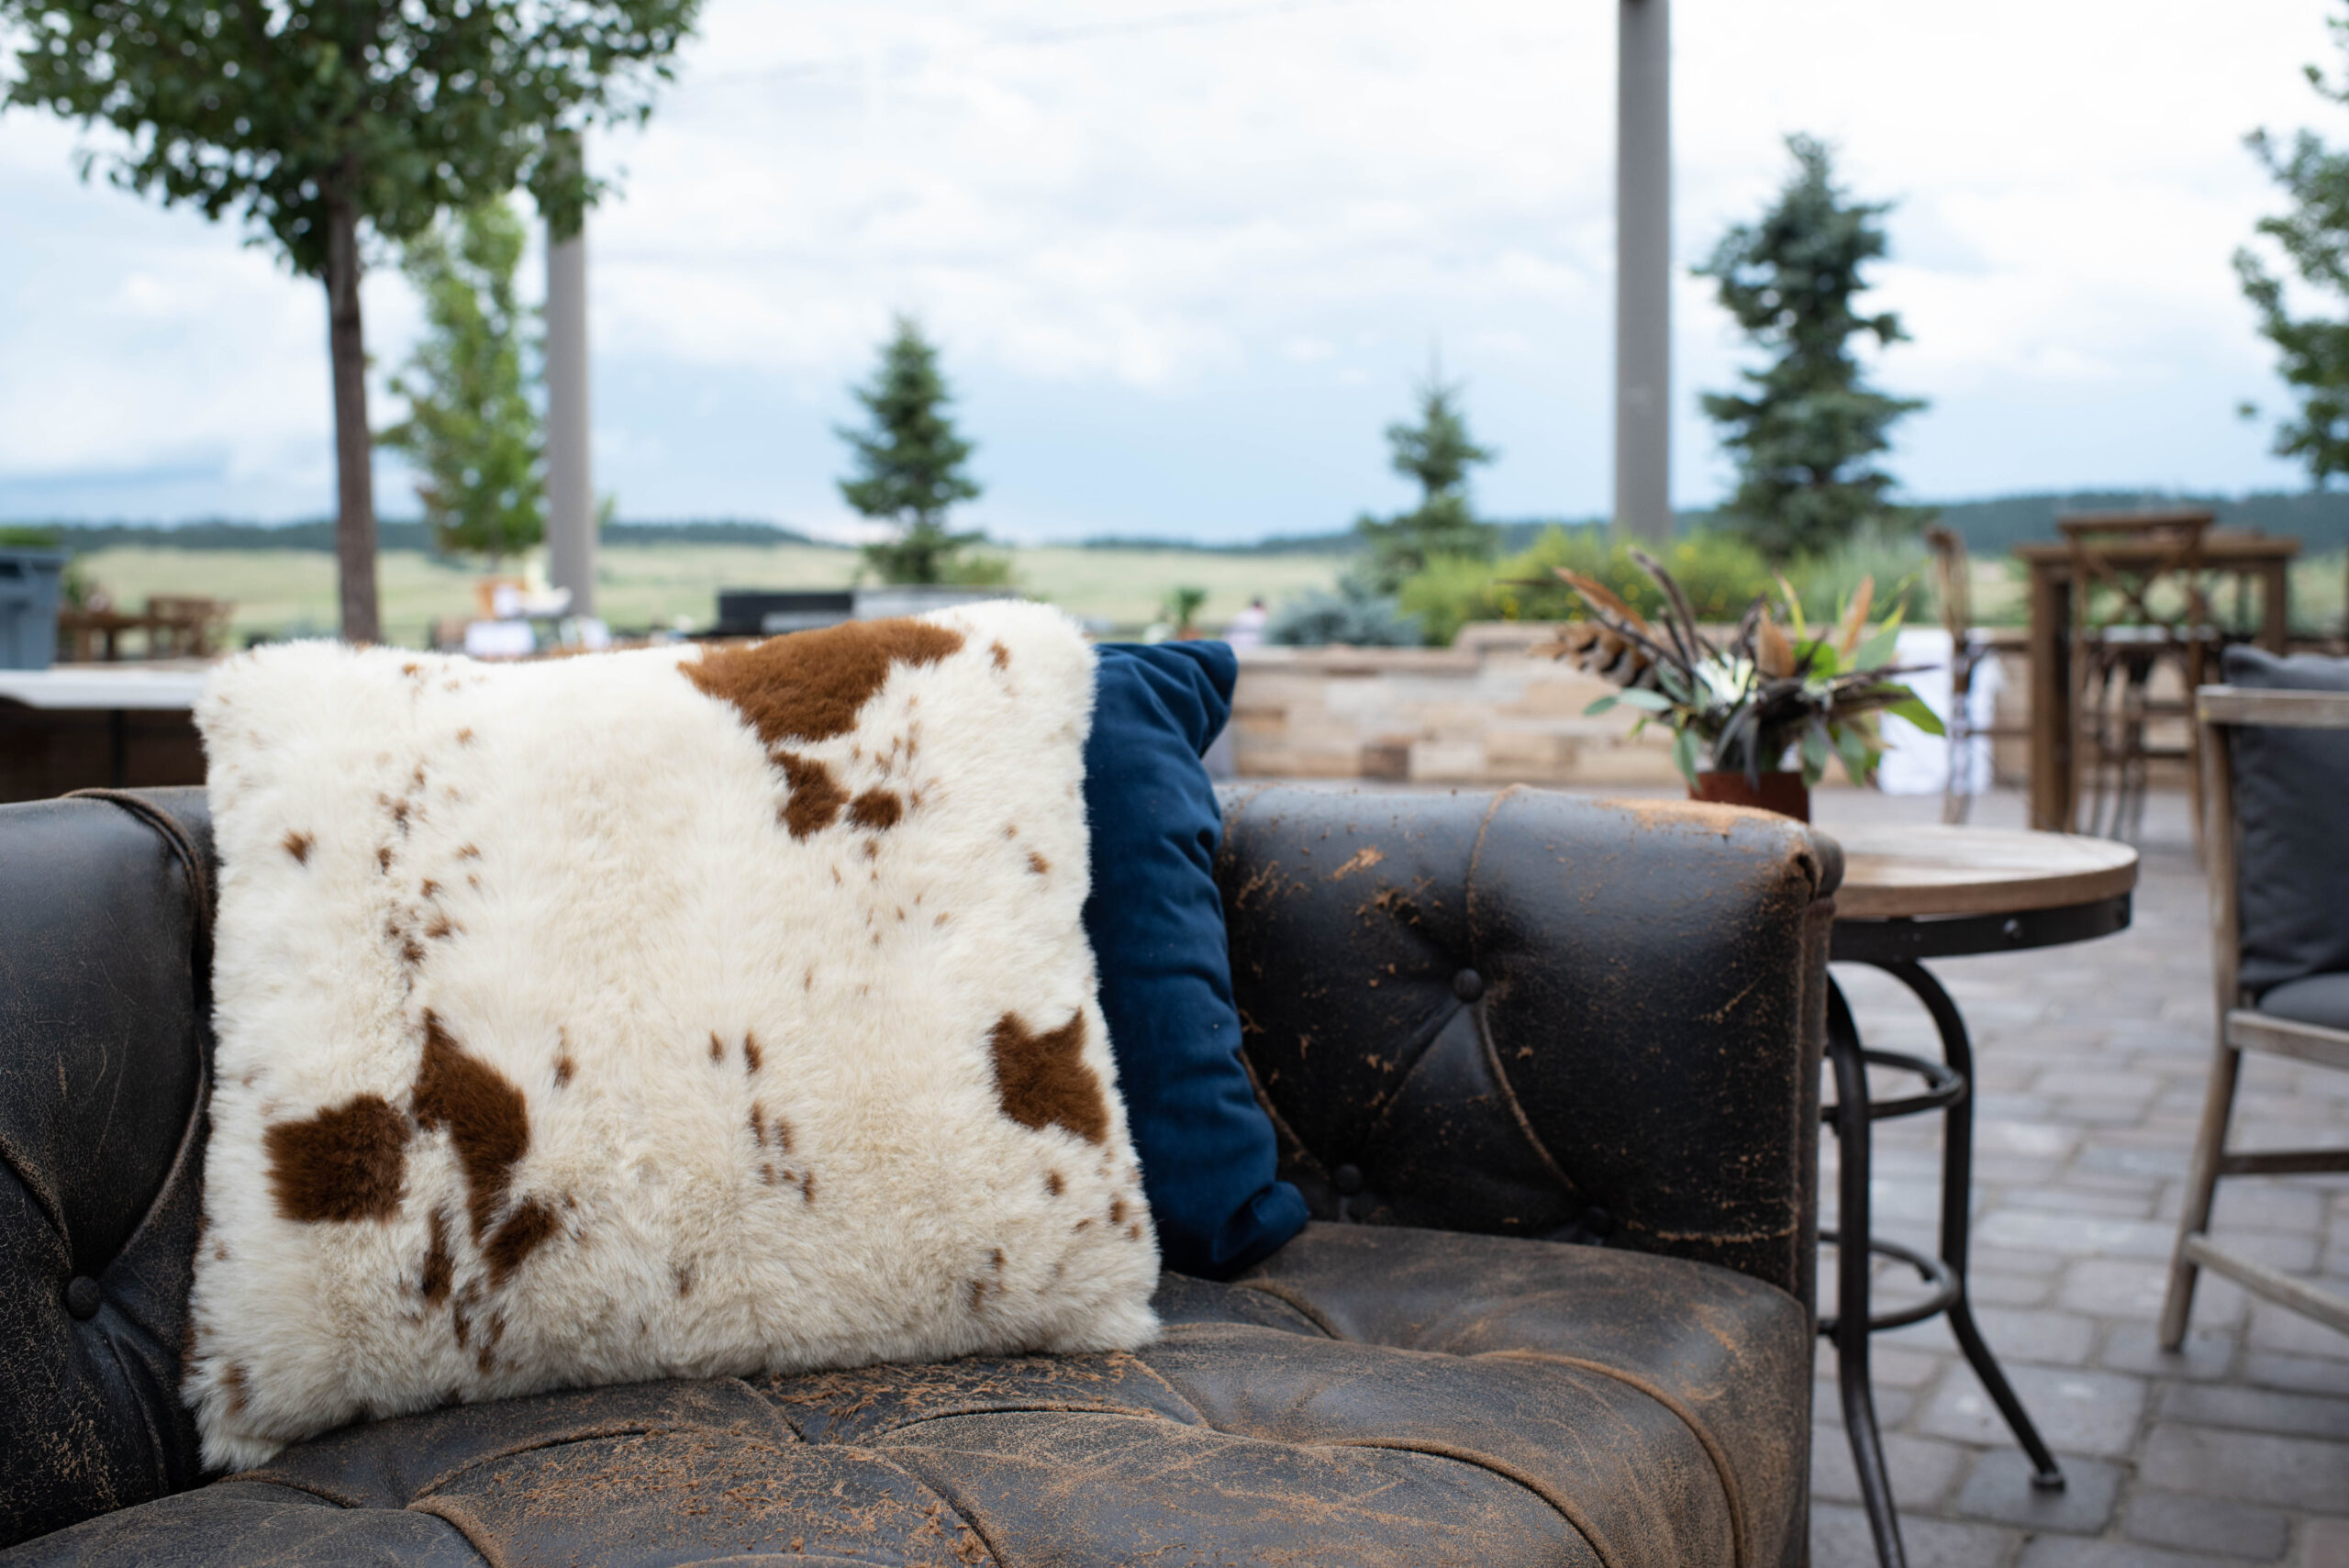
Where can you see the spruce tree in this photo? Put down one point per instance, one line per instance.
(1437, 452)
(471, 429)
(1806, 433)
(909, 462)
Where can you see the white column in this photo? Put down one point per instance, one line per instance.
(571, 493)
(1644, 270)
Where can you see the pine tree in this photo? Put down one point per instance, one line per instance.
(471, 429)
(909, 462)
(1437, 452)
(2314, 237)
(1805, 435)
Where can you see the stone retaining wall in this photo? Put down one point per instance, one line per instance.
(1486, 710)
(1489, 709)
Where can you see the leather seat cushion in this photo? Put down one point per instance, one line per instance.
(1367, 1396)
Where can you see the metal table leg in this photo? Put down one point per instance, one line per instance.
(1850, 1327)
(1957, 1217)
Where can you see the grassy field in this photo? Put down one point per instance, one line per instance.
(292, 591)
(283, 592)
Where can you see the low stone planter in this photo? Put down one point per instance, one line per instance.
(1486, 710)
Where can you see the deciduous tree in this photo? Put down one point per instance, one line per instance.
(319, 121)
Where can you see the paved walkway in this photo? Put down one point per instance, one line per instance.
(2092, 1060)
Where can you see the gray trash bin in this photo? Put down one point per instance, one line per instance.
(29, 588)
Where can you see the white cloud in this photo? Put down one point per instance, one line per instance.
(1213, 245)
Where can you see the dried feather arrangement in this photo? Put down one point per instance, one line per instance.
(1743, 704)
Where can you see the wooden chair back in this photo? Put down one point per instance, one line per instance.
(2134, 555)
(188, 625)
(1952, 582)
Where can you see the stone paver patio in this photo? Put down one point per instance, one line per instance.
(2091, 1066)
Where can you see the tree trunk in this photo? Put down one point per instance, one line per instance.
(354, 524)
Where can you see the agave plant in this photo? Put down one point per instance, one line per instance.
(1743, 704)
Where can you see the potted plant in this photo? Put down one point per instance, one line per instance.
(1756, 717)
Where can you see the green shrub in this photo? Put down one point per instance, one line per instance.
(1719, 571)
(1449, 592)
(1356, 615)
(1899, 561)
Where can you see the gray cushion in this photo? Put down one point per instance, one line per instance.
(2292, 800)
(2321, 999)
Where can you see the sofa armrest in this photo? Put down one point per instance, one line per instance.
(105, 1042)
(1529, 1013)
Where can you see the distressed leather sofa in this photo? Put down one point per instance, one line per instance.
(1545, 1068)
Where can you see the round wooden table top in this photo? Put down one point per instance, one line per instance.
(1891, 872)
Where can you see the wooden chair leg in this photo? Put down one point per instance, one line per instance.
(2197, 666)
(2202, 1186)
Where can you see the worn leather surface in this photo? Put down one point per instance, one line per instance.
(1631, 1048)
(1497, 1011)
(103, 1053)
(1349, 1403)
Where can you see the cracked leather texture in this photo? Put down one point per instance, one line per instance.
(1640, 1037)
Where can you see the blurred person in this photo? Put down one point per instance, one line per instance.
(1247, 627)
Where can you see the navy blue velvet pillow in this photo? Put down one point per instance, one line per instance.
(1156, 923)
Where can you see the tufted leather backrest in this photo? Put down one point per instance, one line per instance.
(105, 1045)
(1536, 1014)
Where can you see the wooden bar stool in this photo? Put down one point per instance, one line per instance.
(2138, 605)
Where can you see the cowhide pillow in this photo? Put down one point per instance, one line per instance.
(672, 1013)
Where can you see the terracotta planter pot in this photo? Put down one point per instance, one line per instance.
(1784, 792)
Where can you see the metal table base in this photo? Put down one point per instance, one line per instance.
(1898, 947)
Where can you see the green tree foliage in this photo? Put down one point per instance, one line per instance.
(1437, 452)
(909, 463)
(2313, 350)
(310, 120)
(471, 429)
(1807, 430)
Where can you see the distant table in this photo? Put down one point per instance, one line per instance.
(111, 687)
(2054, 779)
(1908, 894)
(115, 690)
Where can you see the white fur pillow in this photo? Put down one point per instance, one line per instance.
(654, 1014)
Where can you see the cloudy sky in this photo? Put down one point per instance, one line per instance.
(1186, 257)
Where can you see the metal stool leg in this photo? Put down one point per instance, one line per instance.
(1957, 1219)
(1852, 1259)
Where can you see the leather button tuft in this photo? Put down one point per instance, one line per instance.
(83, 1297)
(1347, 1179)
(1467, 984)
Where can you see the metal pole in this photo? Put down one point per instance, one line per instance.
(571, 496)
(1644, 270)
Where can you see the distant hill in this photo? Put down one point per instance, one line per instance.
(2320, 518)
(390, 534)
